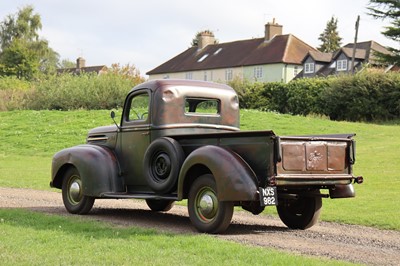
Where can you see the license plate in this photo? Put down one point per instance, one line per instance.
(268, 196)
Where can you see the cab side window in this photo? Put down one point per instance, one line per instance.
(139, 107)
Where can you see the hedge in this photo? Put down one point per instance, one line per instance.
(65, 92)
(367, 96)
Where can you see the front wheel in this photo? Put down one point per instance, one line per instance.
(206, 212)
(301, 213)
(74, 200)
(159, 205)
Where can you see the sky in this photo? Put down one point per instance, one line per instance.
(148, 33)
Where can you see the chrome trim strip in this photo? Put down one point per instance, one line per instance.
(97, 138)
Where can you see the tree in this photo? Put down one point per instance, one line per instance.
(129, 72)
(22, 52)
(23, 25)
(330, 37)
(388, 10)
(19, 59)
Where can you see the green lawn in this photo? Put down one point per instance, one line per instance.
(30, 138)
(28, 238)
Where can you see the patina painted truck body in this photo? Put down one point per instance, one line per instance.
(180, 139)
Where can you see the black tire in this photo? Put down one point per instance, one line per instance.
(74, 200)
(206, 212)
(159, 205)
(301, 213)
(162, 163)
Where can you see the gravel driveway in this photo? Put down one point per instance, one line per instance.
(352, 243)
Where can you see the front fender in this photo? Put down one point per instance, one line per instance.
(234, 178)
(97, 166)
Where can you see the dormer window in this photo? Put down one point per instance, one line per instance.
(341, 65)
(309, 68)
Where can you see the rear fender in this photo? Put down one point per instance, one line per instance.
(234, 178)
(97, 166)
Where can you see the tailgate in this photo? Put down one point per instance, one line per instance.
(315, 160)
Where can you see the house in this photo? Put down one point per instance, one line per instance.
(275, 57)
(316, 63)
(81, 67)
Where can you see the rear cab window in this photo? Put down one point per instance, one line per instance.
(202, 106)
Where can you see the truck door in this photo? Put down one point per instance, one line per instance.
(135, 138)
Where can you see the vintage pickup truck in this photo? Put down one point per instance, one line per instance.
(180, 139)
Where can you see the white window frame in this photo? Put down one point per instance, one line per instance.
(296, 70)
(189, 75)
(309, 68)
(258, 72)
(341, 65)
(205, 76)
(228, 74)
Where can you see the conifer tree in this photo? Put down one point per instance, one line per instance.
(330, 37)
(388, 10)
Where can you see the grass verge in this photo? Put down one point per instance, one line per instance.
(29, 238)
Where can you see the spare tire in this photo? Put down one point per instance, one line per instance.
(162, 163)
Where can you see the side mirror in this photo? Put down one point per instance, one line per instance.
(112, 115)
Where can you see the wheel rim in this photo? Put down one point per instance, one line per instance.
(162, 166)
(206, 205)
(75, 190)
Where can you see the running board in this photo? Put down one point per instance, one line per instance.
(125, 195)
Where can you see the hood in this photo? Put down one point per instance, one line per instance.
(103, 129)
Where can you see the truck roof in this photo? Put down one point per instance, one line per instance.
(162, 83)
(170, 99)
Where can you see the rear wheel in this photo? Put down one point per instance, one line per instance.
(159, 205)
(301, 213)
(206, 212)
(74, 200)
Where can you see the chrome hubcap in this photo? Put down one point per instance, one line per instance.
(206, 204)
(75, 191)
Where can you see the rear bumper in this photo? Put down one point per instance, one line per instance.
(313, 179)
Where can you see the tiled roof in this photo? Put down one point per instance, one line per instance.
(370, 48)
(280, 49)
(360, 53)
(320, 56)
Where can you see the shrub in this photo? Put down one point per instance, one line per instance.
(85, 91)
(370, 96)
(367, 96)
(14, 93)
(300, 97)
(304, 95)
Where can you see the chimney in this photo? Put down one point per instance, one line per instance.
(272, 29)
(205, 38)
(80, 62)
